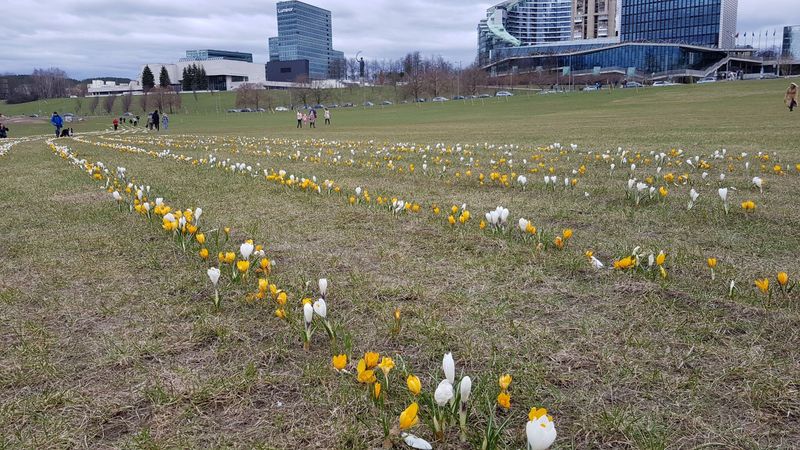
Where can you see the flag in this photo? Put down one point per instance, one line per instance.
(773, 32)
(737, 35)
(745, 34)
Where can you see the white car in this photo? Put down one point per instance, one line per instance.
(440, 99)
(664, 83)
(589, 88)
(707, 80)
(281, 109)
(504, 94)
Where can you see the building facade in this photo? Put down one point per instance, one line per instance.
(205, 55)
(791, 43)
(305, 32)
(594, 19)
(710, 23)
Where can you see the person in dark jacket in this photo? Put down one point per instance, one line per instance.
(156, 120)
(3, 131)
(57, 122)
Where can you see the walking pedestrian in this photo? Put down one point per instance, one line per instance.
(165, 121)
(327, 116)
(791, 96)
(312, 119)
(299, 119)
(57, 122)
(3, 131)
(115, 122)
(156, 122)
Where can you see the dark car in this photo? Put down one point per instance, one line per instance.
(347, 105)
(421, 100)
(459, 97)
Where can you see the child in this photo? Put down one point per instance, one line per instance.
(116, 123)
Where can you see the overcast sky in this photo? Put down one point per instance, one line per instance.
(114, 37)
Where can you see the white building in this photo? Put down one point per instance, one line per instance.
(100, 87)
(223, 74)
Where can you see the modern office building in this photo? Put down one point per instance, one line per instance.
(791, 43)
(593, 19)
(710, 23)
(210, 55)
(526, 23)
(305, 32)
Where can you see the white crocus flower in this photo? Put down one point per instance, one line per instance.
(465, 388)
(308, 313)
(759, 184)
(692, 198)
(246, 250)
(116, 196)
(169, 217)
(213, 275)
(723, 194)
(596, 263)
(541, 433)
(321, 308)
(197, 213)
(416, 442)
(443, 393)
(323, 287)
(523, 225)
(449, 368)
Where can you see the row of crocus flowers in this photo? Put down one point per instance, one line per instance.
(389, 387)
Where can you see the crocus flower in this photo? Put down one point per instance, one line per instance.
(371, 359)
(213, 274)
(116, 196)
(408, 418)
(321, 308)
(783, 279)
(449, 368)
(340, 362)
(504, 400)
(323, 287)
(416, 442)
(308, 313)
(540, 430)
(414, 384)
(246, 250)
(723, 194)
(443, 393)
(504, 381)
(763, 285)
(759, 184)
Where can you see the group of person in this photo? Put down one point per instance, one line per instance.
(310, 118)
(152, 121)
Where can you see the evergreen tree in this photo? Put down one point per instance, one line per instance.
(202, 79)
(163, 78)
(186, 81)
(148, 80)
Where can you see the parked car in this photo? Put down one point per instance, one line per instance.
(769, 76)
(368, 104)
(281, 109)
(633, 84)
(335, 105)
(420, 100)
(244, 110)
(439, 99)
(319, 106)
(386, 103)
(484, 96)
(459, 97)
(504, 94)
(347, 105)
(664, 83)
(261, 110)
(589, 89)
(707, 80)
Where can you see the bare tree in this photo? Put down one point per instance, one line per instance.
(318, 91)
(49, 83)
(143, 101)
(173, 100)
(127, 100)
(79, 93)
(93, 104)
(474, 77)
(250, 94)
(108, 103)
(414, 69)
(158, 94)
(302, 91)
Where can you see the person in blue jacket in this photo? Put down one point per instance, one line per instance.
(57, 122)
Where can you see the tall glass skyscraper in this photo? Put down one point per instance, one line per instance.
(305, 32)
(520, 23)
(791, 42)
(709, 23)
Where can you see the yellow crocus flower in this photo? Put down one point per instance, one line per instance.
(408, 418)
(414, 384)
(340, 362)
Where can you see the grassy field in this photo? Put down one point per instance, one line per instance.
(112, 338)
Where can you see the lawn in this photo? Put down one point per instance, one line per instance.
(113, 339)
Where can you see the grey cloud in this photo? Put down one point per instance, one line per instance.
(100, 37)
